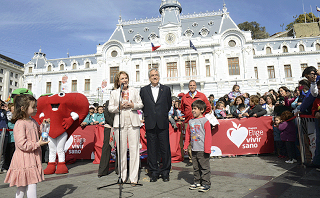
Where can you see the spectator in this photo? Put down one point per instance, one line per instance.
(246, 98)
(220, 112)
(255, 109)
(238, 100)
(234, 93)
(240, 111)
(262, 102)
(280, 147)
(98, 118)
(10, 148)
(89, 119)
(211, 99)
(270, 102)
(175, 114)
(3, 124)
(288, 135)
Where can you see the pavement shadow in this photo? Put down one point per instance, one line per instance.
(61, 191)
(79, 162)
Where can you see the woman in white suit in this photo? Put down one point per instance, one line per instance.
(130, 102)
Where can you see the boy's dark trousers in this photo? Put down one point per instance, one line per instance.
(201, 167)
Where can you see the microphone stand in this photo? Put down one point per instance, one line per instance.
(120, 181)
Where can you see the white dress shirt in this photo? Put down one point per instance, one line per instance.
(155, 91)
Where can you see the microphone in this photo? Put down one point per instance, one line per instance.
(122, 84)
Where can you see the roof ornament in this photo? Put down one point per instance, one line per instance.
(120, 18)
(224, 9)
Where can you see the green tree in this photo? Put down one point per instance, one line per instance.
(303, 18)
(257, 32)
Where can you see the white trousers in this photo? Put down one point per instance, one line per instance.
(56, 145)
(131, 135)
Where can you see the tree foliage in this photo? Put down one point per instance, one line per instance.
(302, 19)
(257, 32)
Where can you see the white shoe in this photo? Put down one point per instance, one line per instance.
(294, 160)
(289, 161)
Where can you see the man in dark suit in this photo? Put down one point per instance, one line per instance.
(156, 99)
(106, 148)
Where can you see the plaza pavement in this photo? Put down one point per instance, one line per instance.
(242, 176)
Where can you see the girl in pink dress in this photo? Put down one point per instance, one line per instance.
(25, 169)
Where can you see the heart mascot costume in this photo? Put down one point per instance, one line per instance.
(66, 111)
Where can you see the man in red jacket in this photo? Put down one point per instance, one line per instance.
(186, 108)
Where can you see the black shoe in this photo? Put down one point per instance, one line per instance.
(153, 179)
(189, 164)
(165, 179)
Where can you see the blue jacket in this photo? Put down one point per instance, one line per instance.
(99, 117)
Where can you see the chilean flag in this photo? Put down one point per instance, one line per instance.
(318, 9)
(154, 48)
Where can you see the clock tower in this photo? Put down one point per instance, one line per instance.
(170, 28)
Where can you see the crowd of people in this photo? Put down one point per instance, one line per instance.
(155, 107)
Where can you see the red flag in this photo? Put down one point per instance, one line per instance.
(154, 47)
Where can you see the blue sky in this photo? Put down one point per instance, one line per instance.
(77, 26)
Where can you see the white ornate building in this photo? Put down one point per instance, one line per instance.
(11, 72)
(225, 56)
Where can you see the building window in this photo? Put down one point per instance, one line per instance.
(207, 68)
(74, 66)
(172, 70)
(30, 69)
(114, 53)
(87, 84)
(113, 73)
(232, 43)
(11, 82)
(268, 50)
(256, 73)
(30, 86)
(60, 86)
(271, 73)
(87, 65)
(0, 88)
(191, 70)
(16, 84)
(16, 75)
(48, 87)
(154, 65)
(74, 86)
(284, 49)
(303, 66)
(253, 52)
(287, 71)
(1, 79)
(318, 65)
(1, 71)
(10, 91)
(301, 48)
(233, 64)
(137, 73)
(61, 67)
(11, 74)
(317, 46)
(49, 68)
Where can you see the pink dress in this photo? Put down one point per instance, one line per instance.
(26, 166)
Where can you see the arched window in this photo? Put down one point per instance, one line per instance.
(268, 50)
(74, 66)
(49, 68)
(87, 65)
(301, 48)
(284, 49)
(61, 67)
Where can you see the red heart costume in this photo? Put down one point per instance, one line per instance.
(66, 111)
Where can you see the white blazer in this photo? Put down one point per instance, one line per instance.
(134, 96)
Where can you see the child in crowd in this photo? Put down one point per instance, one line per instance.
(234, 93)
(255, 109)
(98, 118)
(88, 120)
(175, 114)
(199, 132)
(240, 111)
(280, 148)
(220, 113)
(10, 147)
(26, 168)
(288, 135)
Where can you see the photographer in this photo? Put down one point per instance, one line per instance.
(3, 124)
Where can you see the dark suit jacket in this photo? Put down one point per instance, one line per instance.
(156, 113)
(107, 115)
